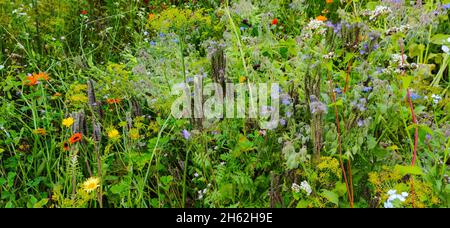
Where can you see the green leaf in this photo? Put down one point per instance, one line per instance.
(348, 56)
(412, 170)
(440, 39)
(340, 188)
(331, 196)
(419, 109)
(41, 203)
(120, 188)
(9, 205)
(302, 204)
(407, 81)
(371, 142)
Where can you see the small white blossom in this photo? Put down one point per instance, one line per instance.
(436, 98)
(295, 188)
(306, 187)
(388, 205)
(379, 10)
(2, 67)
(394, 196)
(446, 49)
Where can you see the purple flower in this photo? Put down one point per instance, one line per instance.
(186, 134)
(361, 123)
(283, 122)
(318, 107)
(338, 90)
(428, 137)
(286, 101)
(367, 89)
(153, 43)
(446, 6)
(288, 114)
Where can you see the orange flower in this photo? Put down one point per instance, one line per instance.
(42, 76)
(84, 12)
(76, 138)
(321, 18)
(151, 16)
(32, 80)
(35, 78)
(329, 1)
(113, 100)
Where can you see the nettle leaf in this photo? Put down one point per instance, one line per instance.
(426, 128)
(416, 50)
(292, 158)
(440, 39)
(405, 170)
(406, 81)
(331, 196)
(340, 188)
(419, 109)
(120, 188)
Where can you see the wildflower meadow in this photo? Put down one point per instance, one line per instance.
(224, 104)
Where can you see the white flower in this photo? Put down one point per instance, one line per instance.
(398, 59)
(2, 67)
(306, 187)
(195, 174)
(445, 49)
(380, 10)
(392, 192)
(394, 196)
(200, 194)
(436, 98)
(388, 205)
(295, 188)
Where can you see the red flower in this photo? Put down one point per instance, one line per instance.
(275, 21)
(76, 138)
(84, 12)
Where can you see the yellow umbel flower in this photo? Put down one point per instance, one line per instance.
(91, 184)
(134, 133)
(68, 122)
(113, 134)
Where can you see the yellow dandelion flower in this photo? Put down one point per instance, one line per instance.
(242, 79)
(68, 122)
(91, 184)
(113, 134)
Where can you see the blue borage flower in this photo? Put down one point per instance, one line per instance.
(415, 96)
